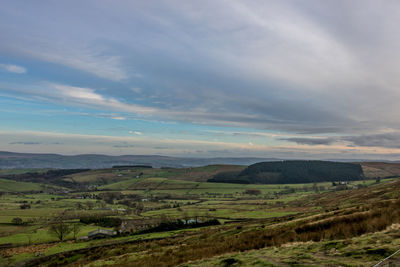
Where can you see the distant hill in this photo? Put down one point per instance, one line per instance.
(93, 161)
(293, 171)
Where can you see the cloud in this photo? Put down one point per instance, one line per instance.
(77, 96)
(13, 68)
(311, 141)
(383, 140)
(81, 58)
(119, 118)
(294, 70)
(388, 140)
(25, 143)
(123, 146)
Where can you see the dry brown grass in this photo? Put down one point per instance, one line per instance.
(380, 169)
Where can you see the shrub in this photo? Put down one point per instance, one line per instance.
(17, 221)
(101, 221)
(252, 192)
(25, 206)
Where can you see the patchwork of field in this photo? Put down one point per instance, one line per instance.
(164, 195)
(106, 176)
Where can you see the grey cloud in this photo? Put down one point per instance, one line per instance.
(25, 143)
(300, 67)
(124, 145)
(251, 135)
(34, 143)
(311, 141)
(388, 140)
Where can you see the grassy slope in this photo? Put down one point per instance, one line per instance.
(13, 186)
(217, 200)
(21, 171)
(380, 169)
(364, 250)
(355, 250)
(198, 174)
(127, 176)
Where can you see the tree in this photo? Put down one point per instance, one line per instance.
(79, 206)
(25, 206)
(29, 235)
(89, 204)
(59, 228)
(252, 192)
(76, 228)
(139, 208)
(17, 221)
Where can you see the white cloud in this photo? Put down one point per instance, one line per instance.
(90, 97)
(79, 93)
(13, 68)
(120, 118)
(90, 59)
(135, 132)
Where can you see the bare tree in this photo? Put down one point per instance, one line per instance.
(79, 206)
(76, 228)
(59, 228)
(89, 204)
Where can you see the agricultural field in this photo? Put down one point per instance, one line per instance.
(163, 210)
(14, 186)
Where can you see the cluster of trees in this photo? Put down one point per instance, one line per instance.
(132, 166)
(295, 171)
(24, 206)
(60, 228)
(252, 192)
(101, 221)
(50, 176)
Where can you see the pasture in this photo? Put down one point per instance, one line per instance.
(159, 195)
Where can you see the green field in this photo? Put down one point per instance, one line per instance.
(156, 195)
(7, 185)
(20, 171)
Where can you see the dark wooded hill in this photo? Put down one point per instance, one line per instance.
(296, 171)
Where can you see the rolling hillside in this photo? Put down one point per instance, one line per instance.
(92, 161)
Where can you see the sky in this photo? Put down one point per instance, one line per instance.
(213, 78)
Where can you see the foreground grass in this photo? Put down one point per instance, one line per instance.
(365, 250)
(19, 254)
(194, 198)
